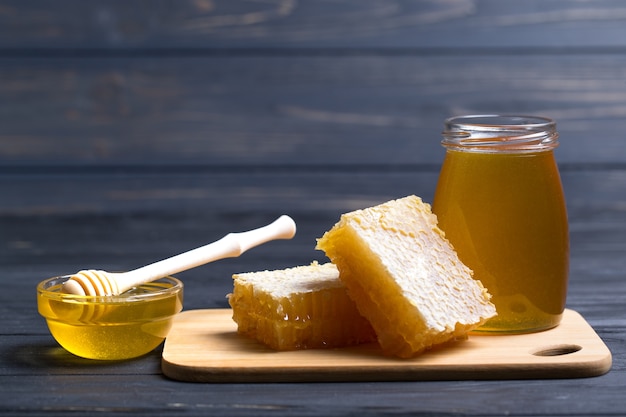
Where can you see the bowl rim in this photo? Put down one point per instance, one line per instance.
(127, 297)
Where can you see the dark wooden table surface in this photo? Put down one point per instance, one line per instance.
(134, 130)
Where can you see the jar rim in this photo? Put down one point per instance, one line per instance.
(500, 133)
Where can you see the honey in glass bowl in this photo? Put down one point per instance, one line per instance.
(110, 327)
(500, 202)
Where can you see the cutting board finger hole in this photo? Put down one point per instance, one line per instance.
(557, 350)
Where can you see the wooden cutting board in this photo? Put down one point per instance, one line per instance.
(204, 346)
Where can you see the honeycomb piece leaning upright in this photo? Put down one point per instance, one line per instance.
(405, 277)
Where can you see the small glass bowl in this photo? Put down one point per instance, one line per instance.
(110, 327)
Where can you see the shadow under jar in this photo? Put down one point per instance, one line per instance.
(500, 202)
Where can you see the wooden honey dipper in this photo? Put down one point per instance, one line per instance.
(101, 283)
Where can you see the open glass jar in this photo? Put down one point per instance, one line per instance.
(500, 202)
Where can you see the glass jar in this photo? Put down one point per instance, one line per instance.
(500, 202)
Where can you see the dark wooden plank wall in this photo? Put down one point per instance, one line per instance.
(166, 105)
(126, 108)
(190, 105)
(129, 128)
(196, 82)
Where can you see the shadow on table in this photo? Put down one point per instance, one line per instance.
(50, 357)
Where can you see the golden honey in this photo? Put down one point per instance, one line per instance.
(111, 327)
(500, 202)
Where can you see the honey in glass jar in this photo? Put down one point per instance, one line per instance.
(500, 202)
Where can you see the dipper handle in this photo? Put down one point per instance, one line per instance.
(232, 245)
